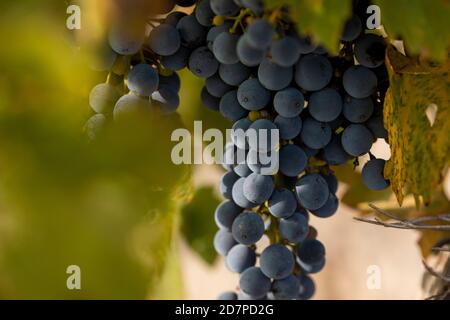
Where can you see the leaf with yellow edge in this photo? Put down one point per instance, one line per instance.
(420, 145)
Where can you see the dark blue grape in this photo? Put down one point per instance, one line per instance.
(289, 102)
(242, 170)
(328, 209)
(203, 13)
(265, 163)
(257, 6)
(285, 52)
(357, 140)
(252, 95)
(373, 174)
(294, 228)
(247, 54)
(282, 203)
(315, 135)
(126, 39)
(357, 110)
(312, 191)
(173, 17)
(311, 254)
(260, 34)
(286, 289)
(178, 60)
(313, 72)
(238, 194)
(306, 45)
(202, 63)
(334, 154)
(215, 31)
(227, 295)
(164, 40)
(332, 182)
(167, 99)
(172, 81)
(216, 87)
(359, 82)
(248, 227)
(277, 261)
(258, 188)
(230, 107)
(325, 105)
(289, 127)
(143, 79)
(192, 33)
(369, 50)
(240, 258)
(227, 182)
(238, 135)
(225, 214)
(209, 101)
(224, 8)
(376, 126)
(307, 287)
(224, 48)
(273, 76)
(352, 29)
(223, 242)
(293, 160)
(254, 283)
(234, 74)
(263, 135)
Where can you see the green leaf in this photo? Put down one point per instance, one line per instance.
(423, 25)
(322, 19)
(198, 222)
(420, 148)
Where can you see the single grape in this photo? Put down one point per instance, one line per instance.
(274, 77)
(240, 258)
(258, 188)
(289, 102)
(307, 287)
(325, 105)
(131, 105)
(227, 295)
(247, 54)
(313, 72)
(164, 40)
(192, 33)
(312, 191)
(126, 39)
(359, 82)
(289, 127)
(173, 17)
(225, 214)
(294, 228)
(357, 110)
(238, 195)
(254, 283)
(252, 95)
(234, 74)
(315, 134)
(276, 261)
(263, 135)
(328, 209)
(293, 160)
(311, 254)
(352, 29)
(226, 184)
(373, 174)
(216, 87)
(286, 289)
(265, 163)
(332, 182)
(223, 242)
(248, 227)
(370, 50)
(167, 99)
(242, 170)
(306, 45)
(334, 154)
(285, 52)
(259, 34)
(257, 6)
(238, 135)
(230, 107)
(209, 101)
(282, 203)
(224, 8)
(357, 140)
(376, 126)
(95, 125)
(143, 79)
(224, 48)
(172, 81)
(216, 31)
(103, 98)
(202, 63)
(178, 60)
(204, 13)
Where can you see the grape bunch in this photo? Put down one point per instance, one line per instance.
(265, 76)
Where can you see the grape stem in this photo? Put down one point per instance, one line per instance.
(238, 20)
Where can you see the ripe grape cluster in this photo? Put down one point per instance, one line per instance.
(262, 74)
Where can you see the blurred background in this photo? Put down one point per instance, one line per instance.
(138, 226)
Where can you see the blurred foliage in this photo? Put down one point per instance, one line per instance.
(323, 20)
(197, 226)
(420, 150)
(423, 25)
